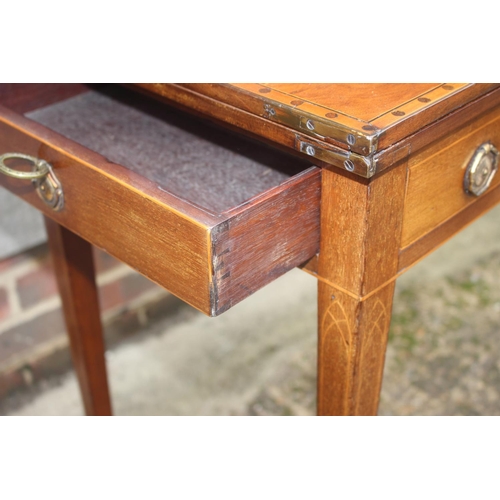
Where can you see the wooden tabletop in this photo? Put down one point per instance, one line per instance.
(370, 110)
(334, 122)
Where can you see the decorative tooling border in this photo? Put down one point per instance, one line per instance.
(332, 123)
(363, 147)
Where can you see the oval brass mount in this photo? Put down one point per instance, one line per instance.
(481, 169)
(42, 176)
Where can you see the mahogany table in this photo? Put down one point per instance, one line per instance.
(214, 190)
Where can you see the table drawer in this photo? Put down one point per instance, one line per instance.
(435, 190)
(210, 216)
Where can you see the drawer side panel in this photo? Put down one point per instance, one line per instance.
(275, 233)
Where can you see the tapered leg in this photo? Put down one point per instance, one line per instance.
(361, 224)
(74, 268)
(351, 345)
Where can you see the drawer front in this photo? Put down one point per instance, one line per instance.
(212, 261)
(100, 205)
(435, 189)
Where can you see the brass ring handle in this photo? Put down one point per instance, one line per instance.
(41, 167)
(42, 177)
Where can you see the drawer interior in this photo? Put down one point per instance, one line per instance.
(188, 157)
(209, 215)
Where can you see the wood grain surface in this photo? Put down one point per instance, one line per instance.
(351, 350)
(362, 101)
(436, 173)
(279, 231)
(23, 97)
(380, 108)
(74, 269)
(411, 254)
(361, 224)
(438, 130)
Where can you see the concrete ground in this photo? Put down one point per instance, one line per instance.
(259, 358)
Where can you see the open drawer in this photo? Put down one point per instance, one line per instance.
(208, 215)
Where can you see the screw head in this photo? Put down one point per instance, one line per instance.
(349, 165)
(310, 150)
(269, 110)
(310, 124)
(351, 139)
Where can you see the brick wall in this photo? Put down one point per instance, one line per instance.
(32, 332)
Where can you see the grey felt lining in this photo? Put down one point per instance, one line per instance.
(188, 157)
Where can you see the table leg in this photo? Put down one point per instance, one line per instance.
(74, 269)
(361, 224)
(351, 345)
